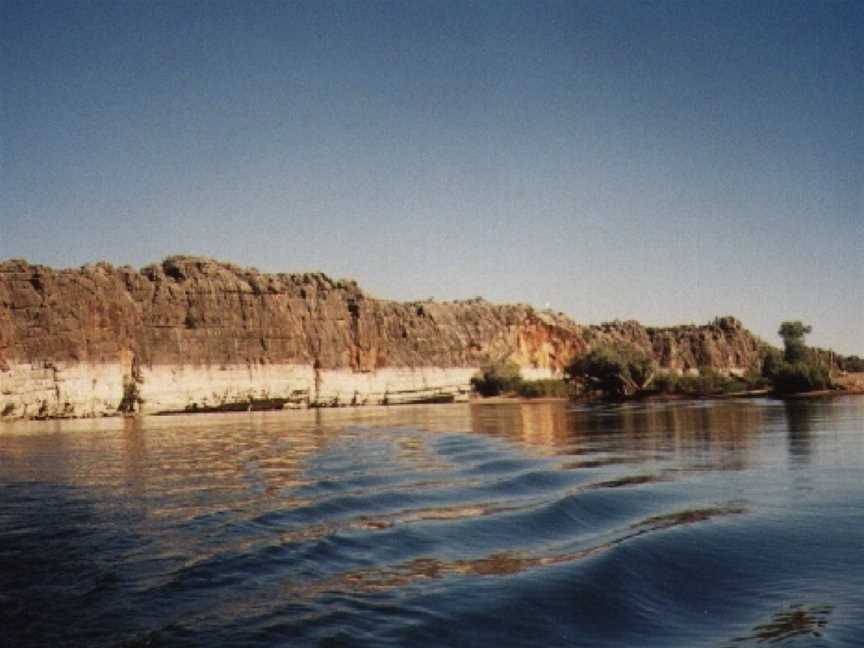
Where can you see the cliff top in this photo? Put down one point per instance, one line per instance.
(183, 268)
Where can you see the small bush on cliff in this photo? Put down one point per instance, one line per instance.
(497, 378)
(615, 369)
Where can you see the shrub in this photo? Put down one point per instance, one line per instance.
(616, 370)
(667, 383)
(497, 378)
(131, 397)
(800, 369)
(793, 378)
(852, 363)
(735, 386)
(771, 362)
(708, 382)
(754, 379)
(546, 388)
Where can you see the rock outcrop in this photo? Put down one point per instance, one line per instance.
(195, 334)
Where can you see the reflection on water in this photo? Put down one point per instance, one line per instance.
(508, 563)
(676, 524)
(687, 429)
(270, 451)
(806, 621)
(798, 423)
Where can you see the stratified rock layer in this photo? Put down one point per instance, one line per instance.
(194, 334)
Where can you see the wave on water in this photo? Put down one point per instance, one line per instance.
(727, 524)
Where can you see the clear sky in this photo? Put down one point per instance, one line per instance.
(666, 162)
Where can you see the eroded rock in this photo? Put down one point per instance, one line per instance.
(193, 333)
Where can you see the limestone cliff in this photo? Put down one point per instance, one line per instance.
(195, 334)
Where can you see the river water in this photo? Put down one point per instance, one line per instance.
(724, 523)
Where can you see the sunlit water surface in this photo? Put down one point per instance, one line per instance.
(727, 523)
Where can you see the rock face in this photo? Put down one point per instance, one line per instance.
(195, 334)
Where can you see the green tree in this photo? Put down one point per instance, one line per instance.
(852, 363)
(793, 340)
(497, 378)
(616, 370)
(797, 377)
(801, 369)
(771, 362)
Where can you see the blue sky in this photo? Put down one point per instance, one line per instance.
(666, 162)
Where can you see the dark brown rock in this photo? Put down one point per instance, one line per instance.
(196, 311)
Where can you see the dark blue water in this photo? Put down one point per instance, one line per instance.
(728, 523)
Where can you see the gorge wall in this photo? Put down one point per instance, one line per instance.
(192, 334)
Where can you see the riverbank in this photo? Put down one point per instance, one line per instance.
(654, 397)
(847, 384)
(474, 399)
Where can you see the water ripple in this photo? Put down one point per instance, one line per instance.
(722, 524)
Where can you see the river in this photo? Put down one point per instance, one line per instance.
(686, 524)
